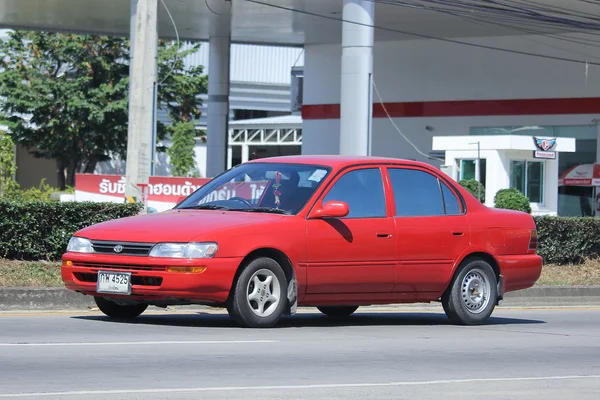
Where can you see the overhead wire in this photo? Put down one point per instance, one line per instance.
(178, 43)
(424, 36)
(486, 21)
(549, 21)
(382, 104)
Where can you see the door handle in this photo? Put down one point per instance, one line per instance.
(457, 233)
(383, 235)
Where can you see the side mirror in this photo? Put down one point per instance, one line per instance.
(333, 209)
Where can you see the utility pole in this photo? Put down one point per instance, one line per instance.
(140, 145)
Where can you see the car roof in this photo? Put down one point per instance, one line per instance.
(337, 161)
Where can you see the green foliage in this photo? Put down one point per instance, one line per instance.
(179, 85)
(65, 96)
(471, 185)
(41, 230)
(181, 150)
(8, 166)
(41, 193)
(568, 240)
(512, 199)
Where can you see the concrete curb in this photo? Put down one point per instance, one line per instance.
(52, 299)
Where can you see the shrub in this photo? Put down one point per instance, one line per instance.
(41, 193)
(471, 185)
(41, 230)
(568, 240)
(512, 199)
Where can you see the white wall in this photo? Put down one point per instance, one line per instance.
(425, 70)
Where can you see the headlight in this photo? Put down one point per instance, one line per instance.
(79, 245)
(184, 250)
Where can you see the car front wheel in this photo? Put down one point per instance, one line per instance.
(472, 296)
(114, 310)
(260, 294)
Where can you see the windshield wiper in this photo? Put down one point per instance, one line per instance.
(204, 207)
(263, 209)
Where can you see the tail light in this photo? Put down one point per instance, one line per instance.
(533, 240)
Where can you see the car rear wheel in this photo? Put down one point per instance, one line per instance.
(114, 310)
(338, 312)
(472, 296)
(260, 294)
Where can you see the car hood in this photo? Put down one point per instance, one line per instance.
(173, 225)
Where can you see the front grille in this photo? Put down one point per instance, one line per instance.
(135, 279)
(128, 267)
(126, 248)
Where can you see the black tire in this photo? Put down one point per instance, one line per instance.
(338, 312)
(115, 310)
(459, 306)
(245, 311)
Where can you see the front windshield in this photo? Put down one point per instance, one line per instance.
(260, 187)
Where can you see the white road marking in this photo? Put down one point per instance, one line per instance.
(136, 343)
(292, 387)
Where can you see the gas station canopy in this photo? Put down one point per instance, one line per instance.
(281, 22)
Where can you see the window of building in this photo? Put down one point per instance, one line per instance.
(467, 169)
(362, 190)
(421, 194)
(528, 178)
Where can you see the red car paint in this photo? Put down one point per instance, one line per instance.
(336, 261)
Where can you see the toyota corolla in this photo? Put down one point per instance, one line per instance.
(331, 232)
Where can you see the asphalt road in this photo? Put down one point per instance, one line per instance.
(521, 354)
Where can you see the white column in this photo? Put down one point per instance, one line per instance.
(245, 153)
(356, 105)
(141, 100)
(218, 87)
(229, 157)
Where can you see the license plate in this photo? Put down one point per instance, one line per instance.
(114, 282)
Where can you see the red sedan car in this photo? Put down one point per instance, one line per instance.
(332, 232)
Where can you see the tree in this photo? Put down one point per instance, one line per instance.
(180, 98)
(7, 163)
(65, 96)
(181, 150)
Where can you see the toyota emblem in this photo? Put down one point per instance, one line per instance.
(118, 248)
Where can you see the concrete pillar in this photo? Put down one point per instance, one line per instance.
(229, 157)
(218, 87)
(141, 101)
(356, 105)
(245, 153)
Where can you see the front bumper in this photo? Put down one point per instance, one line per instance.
(151, 282)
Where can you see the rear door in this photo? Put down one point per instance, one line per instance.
(431, 227)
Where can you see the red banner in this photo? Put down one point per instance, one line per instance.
(163, 191)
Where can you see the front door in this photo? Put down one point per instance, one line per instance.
(432, 230)
(354, 254)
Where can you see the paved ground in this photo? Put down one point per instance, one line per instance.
(521, 354)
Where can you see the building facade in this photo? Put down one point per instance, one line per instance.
(427, 88)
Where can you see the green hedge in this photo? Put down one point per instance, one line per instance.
(568, 240)
(41, 230)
